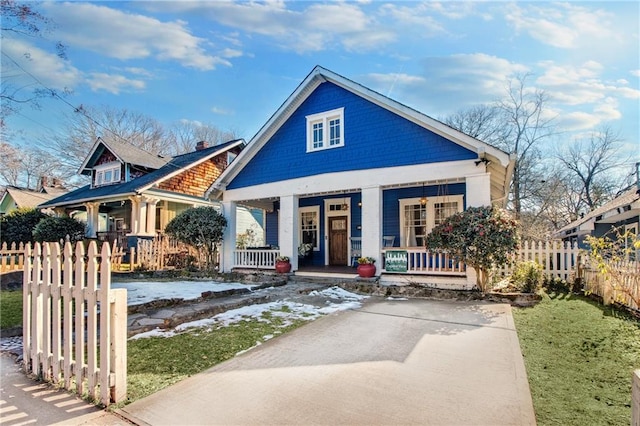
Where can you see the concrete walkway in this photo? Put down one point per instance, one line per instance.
(391, 362)
(24, 401)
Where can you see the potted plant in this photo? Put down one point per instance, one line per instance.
(283, 265)
(366, 267)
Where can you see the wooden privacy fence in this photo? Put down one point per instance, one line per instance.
(11, 257)
(558, 259)
(621, 284)
(74, 324)
(163, 252)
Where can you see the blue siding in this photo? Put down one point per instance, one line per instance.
(374, 138)
(391, 207)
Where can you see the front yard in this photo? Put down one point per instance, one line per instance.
(579, 357)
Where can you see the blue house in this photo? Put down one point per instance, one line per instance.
(342, 171)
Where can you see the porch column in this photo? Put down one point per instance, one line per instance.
(229, 211)
(478, 190)
(92, 219)
(142, 216)
(478, 194)
(134, 226)
(151, 215)
(288, 235)
(372, 224)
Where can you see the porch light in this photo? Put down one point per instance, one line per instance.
(423, 199)
(345, 206)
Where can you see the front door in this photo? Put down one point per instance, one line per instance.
(338, 240)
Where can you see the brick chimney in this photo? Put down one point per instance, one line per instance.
(201, 145)
(43, 183)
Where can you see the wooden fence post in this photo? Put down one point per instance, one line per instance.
(635, 399)
(118, 352)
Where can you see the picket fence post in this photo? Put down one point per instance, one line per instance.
(59, 292)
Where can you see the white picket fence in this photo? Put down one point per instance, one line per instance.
(558, 259)
(74, 324)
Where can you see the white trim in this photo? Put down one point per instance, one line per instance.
(352, 181)
(99, 172)
(336, 213)
(324, 118)
(310, 209)
(430, 211)
(318, 76)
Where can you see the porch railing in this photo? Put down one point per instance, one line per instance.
(255, 258)
(422, 262)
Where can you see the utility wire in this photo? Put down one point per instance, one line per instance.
(55, 94)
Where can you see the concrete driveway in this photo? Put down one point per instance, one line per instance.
(391, 362)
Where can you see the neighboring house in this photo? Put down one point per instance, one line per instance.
(15, 197)
(134, 194)
(620, 214)
(351, 172)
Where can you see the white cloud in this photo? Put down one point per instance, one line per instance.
(221, 111)
(309, 27)
(562, 25)
(126, 36)
(449, 83)
(113, 83)
(52, 71)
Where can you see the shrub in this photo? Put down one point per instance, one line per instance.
(527, 277)
(200, 227)
(57, 228)
(18, 225)
(482, 237)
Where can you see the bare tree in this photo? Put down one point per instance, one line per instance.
(483, 122)
(594, 167)
(524, 114)
(21, 19)
(185, 135)
(517, 124)
(23, 166)
(83, 127)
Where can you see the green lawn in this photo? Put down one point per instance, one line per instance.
(10, 308)
(157, 362)
(579, 357)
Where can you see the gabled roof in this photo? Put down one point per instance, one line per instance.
(171, 168)
(124, 152)
(320, 75)
(607, 213)
(27, 197)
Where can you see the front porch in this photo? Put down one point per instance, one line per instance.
(395, 260)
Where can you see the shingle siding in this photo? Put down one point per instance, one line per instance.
(374, 138)
(196, 180)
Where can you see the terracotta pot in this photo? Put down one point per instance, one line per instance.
(283, 267)
(367, 270)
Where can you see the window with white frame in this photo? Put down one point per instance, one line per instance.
(325, 130)
(107, 174)
(310, 226)
(417, 220)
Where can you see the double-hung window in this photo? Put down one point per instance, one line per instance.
(310, 226)
(325, 130)
(417, 219)
(107, 174)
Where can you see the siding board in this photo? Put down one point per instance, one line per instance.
(374, 138)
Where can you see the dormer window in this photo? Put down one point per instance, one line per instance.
(106, 174)
(325, 130)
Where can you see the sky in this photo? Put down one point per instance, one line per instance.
(232, 64)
